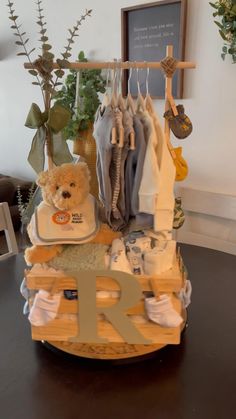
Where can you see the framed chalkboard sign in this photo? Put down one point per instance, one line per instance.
(146, 31)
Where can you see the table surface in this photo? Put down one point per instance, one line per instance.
(196, 379)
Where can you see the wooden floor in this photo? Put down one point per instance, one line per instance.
(196, 379)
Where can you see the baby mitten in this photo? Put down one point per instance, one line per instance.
(179, 216)
(44, 308)
(162, 311)
(180, 164)
(180, 125)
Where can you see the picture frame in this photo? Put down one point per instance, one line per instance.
(146, 30)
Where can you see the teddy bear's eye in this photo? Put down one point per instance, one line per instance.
(57, 187)
(72, 184)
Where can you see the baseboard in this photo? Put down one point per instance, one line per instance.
(210, 220)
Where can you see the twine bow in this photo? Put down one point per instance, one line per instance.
(54, 120)
(168, 65)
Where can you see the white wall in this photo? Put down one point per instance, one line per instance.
(210, 90)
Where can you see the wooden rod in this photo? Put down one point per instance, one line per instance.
(117, 64)
(168, 90)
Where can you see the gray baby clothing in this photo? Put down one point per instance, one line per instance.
(102, 133)
(128, 129)
(134, 169)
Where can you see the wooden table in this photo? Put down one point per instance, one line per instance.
(196, 379)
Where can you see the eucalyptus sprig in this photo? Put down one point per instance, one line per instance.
(67, 54)
(22, 40)
(53, 119)
(226, 11)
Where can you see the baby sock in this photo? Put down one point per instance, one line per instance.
(119, 261)
(162, 312)
(44, 308)
(185, 294)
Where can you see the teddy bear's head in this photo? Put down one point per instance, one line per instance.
(65, 186)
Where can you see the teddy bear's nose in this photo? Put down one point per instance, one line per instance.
(66, 194)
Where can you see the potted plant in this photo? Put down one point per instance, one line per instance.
(79, 94)
(225, 10)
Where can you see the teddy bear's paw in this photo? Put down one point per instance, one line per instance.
(106, 235)
(41, 254)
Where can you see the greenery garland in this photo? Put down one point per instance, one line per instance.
(226, 11)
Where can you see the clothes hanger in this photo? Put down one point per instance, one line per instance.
(114, 104)
(148, 99)
(129, 100)
(140, 103)
(106, 98)
(120, 101)
(114, 98)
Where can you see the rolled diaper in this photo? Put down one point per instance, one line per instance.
(136, 244)
(160, 259)
(118, 260)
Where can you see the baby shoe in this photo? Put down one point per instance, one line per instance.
(179, 216)
(180, 124)
(162, 311)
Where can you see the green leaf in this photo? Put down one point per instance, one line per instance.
(213, 5)
(44, 38)
(33, 49)
(62, 63)
(225, 49)
(33, 72)
(223, 56)
(35, 83)
(219, 24)
(81, 56)
(47, 47)
(21, 53)
(13, 27)
(66, 55)
(59, 73)
(222, 35)
(48, 56)
(19, 43)
(13, 18)
(221, 10)
(43, 31)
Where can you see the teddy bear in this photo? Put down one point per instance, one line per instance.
(68, 214)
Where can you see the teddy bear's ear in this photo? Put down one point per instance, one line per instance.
(82, 168)
(42, 178)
